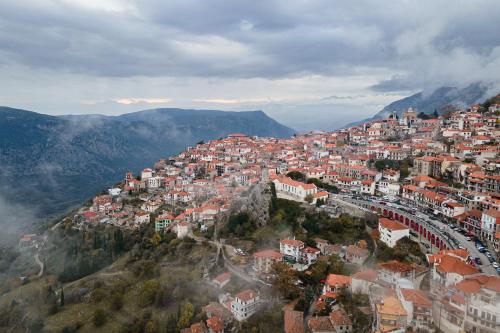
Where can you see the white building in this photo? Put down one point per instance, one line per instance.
(291, 249)
(452, 208)
(146, 173)
(154, 182)
(363, 280)
(418, 308)
(490, 224)
(368, 187)
(391, 231)
(114, 191)
(245, 304)
(182, 229)
(448, 269)
(388, 187)
(142, 217)
(290, 189)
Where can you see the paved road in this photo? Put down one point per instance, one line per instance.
(438, 227)
(471, 247)
(435, 229)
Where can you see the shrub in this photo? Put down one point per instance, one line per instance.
(116, 301)
(99, 317)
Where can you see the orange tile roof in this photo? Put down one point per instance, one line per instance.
(336, 280)
(246, 295)
(292, 242)
(469, 286)
(451, 264)
(417, 297)
(396, 266)
(223, 277)
(294, 321)
(391, 306)
(391, 224)
(320, 324)
(268, 254)
(339, 317)
(367, 275)
(215, 323)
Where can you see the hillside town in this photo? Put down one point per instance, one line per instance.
(434, 180)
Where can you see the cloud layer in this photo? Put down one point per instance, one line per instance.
(195, 52)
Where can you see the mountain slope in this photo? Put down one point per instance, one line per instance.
(428, 103)
(57, 162)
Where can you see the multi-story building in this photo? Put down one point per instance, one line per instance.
(390, 315)
(291, 249)
(391, 231)
(245, 304)
(288, 188)
(490, 225)
(264, 260)
(392, 271)
(418, 307)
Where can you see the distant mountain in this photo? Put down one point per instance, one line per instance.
(428, 103)
(57, 162)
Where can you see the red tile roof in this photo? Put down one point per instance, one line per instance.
(391, 224)
(336, 280)
(273, 254)
(417, 297)
(294, 321)
(246, 295)
(451, 264)
(396, 266)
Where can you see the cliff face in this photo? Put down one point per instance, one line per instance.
(57, 162)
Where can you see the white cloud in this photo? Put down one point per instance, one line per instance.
(129, 101)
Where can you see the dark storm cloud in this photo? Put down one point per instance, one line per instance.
(419, 42)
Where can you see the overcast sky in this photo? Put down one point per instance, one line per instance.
(300, 61)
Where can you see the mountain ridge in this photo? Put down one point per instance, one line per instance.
(433, 101)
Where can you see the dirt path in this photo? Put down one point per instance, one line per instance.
(39, 263)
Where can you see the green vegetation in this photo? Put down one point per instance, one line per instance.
(85, 252)
(319, 270)
(241, 225)
(297, 175)
(402, 166)
(7, 256)
(99, 317)
(289, 217)
(267, 320)
(351, 303)
(285, 280)
(405, 250)
(490, 101)
(186, 315)
(425, 116)
(323, 185)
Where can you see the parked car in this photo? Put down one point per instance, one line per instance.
(478, 261)
(468, 238)
(495, 264)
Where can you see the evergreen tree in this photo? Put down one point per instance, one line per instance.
(61, 300)
(172, 324)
